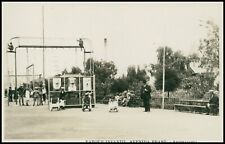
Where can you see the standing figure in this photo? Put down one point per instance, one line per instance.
(146, 96)
(10, 95)
(15, 95)
(21, 93)
(44, 93)
(27, 96)
(35, 96)
(62, 98)
(40, 96)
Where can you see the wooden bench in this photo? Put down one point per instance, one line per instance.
(192, 106)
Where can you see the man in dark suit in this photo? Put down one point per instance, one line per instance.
(213, 106)
(21, 93)
(10, 93)
(146, 95)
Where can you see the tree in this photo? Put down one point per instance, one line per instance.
(172, 81)
(168, 55)
(120, 85)
(197, 85)
(174, 69)
(131, 74)
(104, 77)
(75, 70)
(209, 49)
(135, 78)
(141, 74)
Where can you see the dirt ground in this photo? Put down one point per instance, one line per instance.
(28, 123)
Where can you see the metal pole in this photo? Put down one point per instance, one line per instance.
(94, 94)
(43, 45)
(15, 75)
(93, 66)
(33, 77)
(27, 66)
(8, 71)
(90, 64)
(75, 58)
(163, 77)
(84, 60)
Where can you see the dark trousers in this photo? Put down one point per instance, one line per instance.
(9, 98)
(147, 105)
(212, 109)
(40, 100)
(44, 97)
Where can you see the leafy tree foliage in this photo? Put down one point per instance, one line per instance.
(172, 81)
(198, 84)
(135, 77)
(120, 85)
(75, 70)
(104, 76)
(175, 68)
(209, 48)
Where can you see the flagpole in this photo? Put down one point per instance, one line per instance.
(43, 44)
(163, 77)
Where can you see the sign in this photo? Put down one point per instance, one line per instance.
(72, 84)
(56, 83)
(87, 84)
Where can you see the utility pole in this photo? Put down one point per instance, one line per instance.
(15, 74)
(164, 49)
(27, 66)
(43, 32)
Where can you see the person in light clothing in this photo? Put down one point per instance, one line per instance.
(44, 93)
(27, 96)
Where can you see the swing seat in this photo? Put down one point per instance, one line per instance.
(54, 103)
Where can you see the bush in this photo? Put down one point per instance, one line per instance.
(135, 101)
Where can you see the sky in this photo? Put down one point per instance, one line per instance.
(134, 31)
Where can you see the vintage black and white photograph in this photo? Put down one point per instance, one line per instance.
(112, 71)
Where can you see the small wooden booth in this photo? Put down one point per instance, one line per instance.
(75, 86)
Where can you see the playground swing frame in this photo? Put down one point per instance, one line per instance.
(49, 47)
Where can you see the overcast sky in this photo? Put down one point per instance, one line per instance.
(134, 31)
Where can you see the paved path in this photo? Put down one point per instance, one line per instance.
(38, 123)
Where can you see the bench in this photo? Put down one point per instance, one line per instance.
(198, 106)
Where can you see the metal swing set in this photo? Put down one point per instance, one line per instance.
(75, 86)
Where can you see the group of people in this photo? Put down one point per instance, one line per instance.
(24, 93)
(124, 97)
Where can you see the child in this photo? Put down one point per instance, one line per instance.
(27, 96)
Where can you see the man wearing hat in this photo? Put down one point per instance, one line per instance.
(213, 106)
(146, 95)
